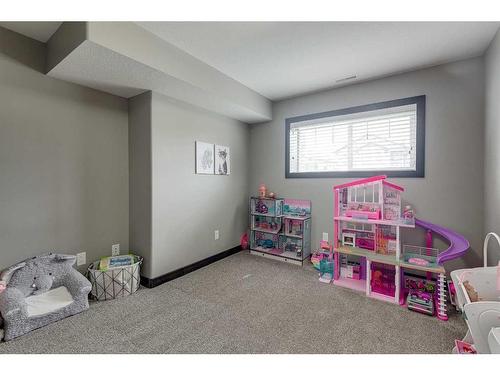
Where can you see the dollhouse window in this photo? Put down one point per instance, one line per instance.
(381, 138)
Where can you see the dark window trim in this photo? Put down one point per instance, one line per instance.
(420, 162)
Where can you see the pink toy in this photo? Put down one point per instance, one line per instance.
(418, 261)
(324, 245)
(408, 214)
(262, 191)
(244, 241)
(2, 286)
(372, 210)
(383, 279)
(363, 212)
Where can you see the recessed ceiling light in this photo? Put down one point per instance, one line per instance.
(345, 79)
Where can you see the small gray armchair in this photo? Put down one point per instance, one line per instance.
(41, 290)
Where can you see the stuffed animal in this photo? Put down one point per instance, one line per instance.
(473, 295)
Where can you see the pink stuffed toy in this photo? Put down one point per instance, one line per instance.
(2, 286)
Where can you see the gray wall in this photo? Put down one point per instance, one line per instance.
(173, 211)
(451, 192)
(63, 160)
(139, 120)
(492, 147)
(187, 207)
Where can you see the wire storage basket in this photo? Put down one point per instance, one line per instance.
(114, 282)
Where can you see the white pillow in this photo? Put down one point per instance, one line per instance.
(54, 299)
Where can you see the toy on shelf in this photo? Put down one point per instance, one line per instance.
(293, 227)
(363, 211)
(261, 208)
(421, 294)
(419, 283)
(383, 279)
(386, 240)
(348, 239)
(368, 223)
(266, 206)
(262, 191)
(292, 245)
(351, 270)
(264, 241)
(358, 234)
(266, 223)
(409, 215)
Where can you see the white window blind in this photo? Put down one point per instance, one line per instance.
(379, 140)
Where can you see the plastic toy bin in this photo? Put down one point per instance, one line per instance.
(114, 282)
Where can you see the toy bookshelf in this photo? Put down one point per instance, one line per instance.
(280, 229)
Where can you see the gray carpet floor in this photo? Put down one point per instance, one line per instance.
(244, 304)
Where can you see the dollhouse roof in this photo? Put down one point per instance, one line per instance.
(369, 180)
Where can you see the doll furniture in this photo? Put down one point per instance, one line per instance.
(41, 290)
(368, 224)
(280, 229)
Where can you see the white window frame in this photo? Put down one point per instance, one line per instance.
(419, 101)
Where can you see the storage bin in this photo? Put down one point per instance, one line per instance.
(114, 282)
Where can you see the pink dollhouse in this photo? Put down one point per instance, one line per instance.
(368, 254)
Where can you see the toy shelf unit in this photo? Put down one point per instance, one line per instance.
(280, 229)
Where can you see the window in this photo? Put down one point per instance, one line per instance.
(381, 138)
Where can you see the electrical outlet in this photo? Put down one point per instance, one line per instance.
(115, 249)
(81, 259)
(216, 234)
(325, 236)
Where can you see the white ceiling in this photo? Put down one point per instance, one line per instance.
(40, 31)
(284, 59)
